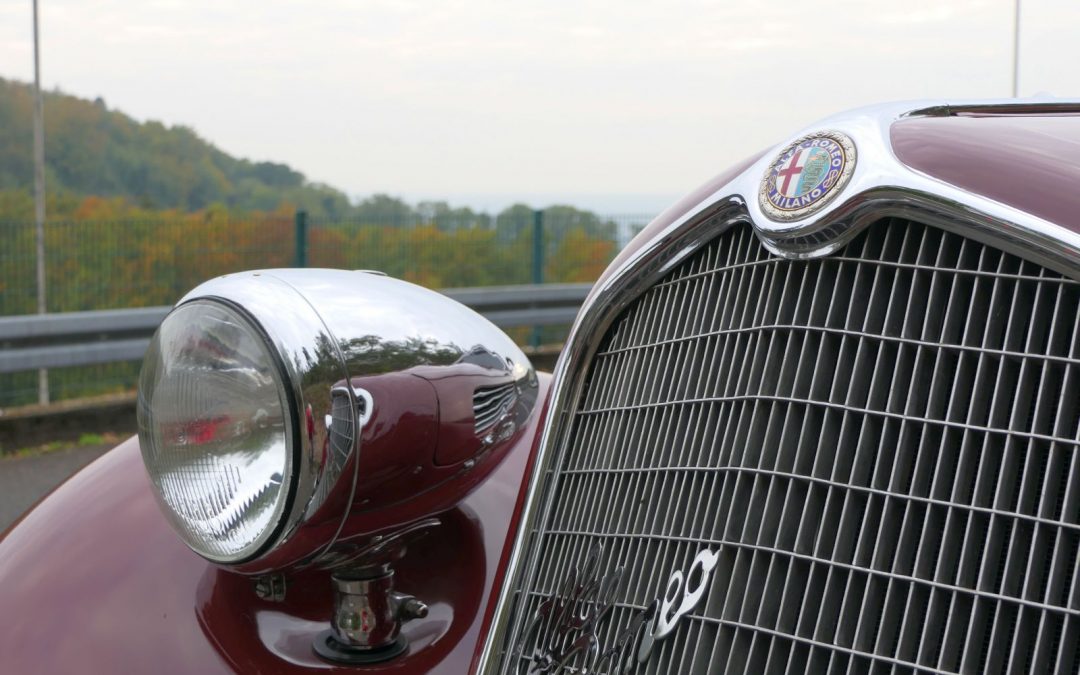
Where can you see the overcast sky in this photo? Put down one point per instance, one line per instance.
(615, 102)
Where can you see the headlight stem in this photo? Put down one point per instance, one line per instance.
(368, 611)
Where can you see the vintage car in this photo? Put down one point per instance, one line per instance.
(822, 415)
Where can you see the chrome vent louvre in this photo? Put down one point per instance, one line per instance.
(881, 445)
(491, 404)
(341, 425)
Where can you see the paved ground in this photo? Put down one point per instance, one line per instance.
(23, 480)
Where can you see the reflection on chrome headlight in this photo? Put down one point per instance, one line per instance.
(259, 387)
(215, 428)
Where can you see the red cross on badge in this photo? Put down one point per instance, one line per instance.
(790, 169)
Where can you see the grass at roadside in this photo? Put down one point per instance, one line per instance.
(106, 438)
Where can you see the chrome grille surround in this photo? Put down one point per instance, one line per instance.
(881, 188)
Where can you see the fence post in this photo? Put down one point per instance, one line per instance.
(39, 200)
(301, 239)
(537, 264)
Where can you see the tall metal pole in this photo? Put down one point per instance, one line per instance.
(39, 197)
(1016, 52)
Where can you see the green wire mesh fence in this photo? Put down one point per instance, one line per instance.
(93, 264)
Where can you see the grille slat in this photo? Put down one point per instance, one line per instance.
(879, 446)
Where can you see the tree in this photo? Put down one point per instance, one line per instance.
(91, 150)
(382, 209)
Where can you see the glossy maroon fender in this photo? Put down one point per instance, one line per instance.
(1023, 160)
(398, 444)
(94, 580)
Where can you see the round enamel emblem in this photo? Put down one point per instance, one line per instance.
(806, 175)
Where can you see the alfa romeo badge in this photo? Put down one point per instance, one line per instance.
(806, 175)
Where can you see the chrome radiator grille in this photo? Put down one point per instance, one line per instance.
(881, 446)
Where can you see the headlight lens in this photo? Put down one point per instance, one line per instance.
(216, 430)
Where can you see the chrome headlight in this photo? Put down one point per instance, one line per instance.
(259, 389)
(216, 427)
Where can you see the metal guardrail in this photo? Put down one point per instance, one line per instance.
(85, 338)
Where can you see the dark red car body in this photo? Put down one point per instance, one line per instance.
(94, 580)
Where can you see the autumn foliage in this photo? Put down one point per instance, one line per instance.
(138, 213)
(107, 254)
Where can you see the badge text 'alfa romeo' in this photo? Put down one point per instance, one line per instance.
(563, 634)
(806, 175)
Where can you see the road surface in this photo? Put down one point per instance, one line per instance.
(24, 480)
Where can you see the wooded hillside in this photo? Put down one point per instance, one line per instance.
(91, 150)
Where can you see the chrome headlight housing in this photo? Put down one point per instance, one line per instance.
(258, 388)
(235, 416)
(217, 430)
